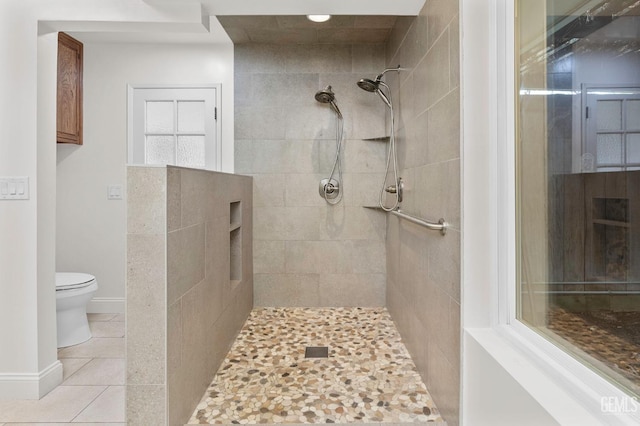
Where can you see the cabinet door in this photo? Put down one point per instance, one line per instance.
(69, 109)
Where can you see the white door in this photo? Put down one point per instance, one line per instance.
(174, 126)
(612, 129)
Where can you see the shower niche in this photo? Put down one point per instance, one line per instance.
(235, 240)
(608, 252)
(595, 245)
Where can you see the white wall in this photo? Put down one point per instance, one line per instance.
(505, 402)
(605, 67)
(28, 364)
(91, 230)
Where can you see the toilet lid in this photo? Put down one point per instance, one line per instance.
(69, 280)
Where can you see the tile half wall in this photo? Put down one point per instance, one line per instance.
(188, 291)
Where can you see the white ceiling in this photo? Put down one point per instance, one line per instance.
(196, 33)
(193, 34)
(304, 7)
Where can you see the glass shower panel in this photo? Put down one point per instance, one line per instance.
(578, 234)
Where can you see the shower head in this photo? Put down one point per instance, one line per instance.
(374, 87)
(369, 85)
(326, 96)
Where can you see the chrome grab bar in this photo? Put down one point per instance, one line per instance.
(440, 226)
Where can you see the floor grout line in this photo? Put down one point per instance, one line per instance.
(92, 401)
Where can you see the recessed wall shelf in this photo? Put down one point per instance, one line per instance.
(611, 223)
(235, 242)
(607, 249)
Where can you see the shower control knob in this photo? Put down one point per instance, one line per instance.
(329, 189)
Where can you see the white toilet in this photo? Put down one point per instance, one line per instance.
(73, 292)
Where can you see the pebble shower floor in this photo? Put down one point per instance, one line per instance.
(368, 376)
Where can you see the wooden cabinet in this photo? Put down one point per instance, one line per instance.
(69, 105)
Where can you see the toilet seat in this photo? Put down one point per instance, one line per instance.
(73, 280)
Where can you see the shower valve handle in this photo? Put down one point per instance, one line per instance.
(329, 188)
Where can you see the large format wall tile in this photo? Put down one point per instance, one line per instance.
(300, 240)
(423, 267)
(296, 290)
(146, 404)
(146, 214)
(185, 260)
(361, 290)
(146, 329)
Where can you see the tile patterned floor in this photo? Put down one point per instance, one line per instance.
(368, 377)
(92, 392)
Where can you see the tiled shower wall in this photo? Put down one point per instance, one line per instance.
(306, 252)
(183, 309)
(423, 281)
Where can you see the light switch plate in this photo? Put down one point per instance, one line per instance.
(14, 188)
(114, 192)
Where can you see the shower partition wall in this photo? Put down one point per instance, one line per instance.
(186, 302)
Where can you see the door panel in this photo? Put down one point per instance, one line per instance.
(174, 126)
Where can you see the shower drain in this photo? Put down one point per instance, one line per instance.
(316, 352)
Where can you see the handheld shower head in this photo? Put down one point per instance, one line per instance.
(374, 87)
(368, 85)
(326, 96)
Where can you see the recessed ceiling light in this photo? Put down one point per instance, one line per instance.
(319, 18)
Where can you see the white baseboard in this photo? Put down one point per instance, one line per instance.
(30, 385)
(106, 305)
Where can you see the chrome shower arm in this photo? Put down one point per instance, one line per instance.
(386, 70)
